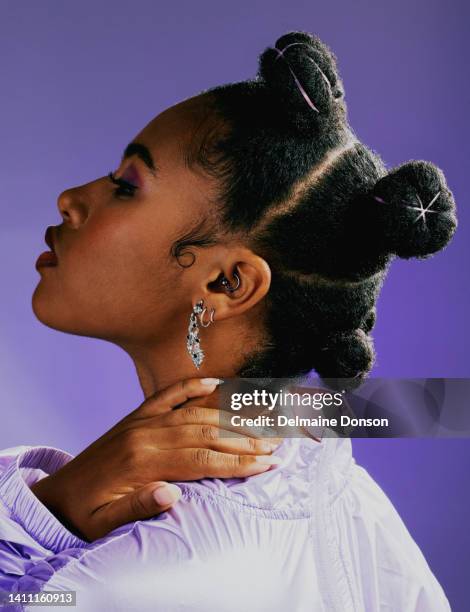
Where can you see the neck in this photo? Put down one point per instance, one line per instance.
(165, 362)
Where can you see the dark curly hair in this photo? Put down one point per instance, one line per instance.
(318, 205)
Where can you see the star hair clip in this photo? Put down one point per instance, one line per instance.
(423, 211)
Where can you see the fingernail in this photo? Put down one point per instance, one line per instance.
(269, 459)
(167, 494)
(268, 447)
(212, 381)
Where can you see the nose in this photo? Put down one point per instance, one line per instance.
(72, 207)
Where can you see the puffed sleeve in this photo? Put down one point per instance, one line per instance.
(125, 570)
(38, 553)
(29, 532)
(382, 565)
(135, 567)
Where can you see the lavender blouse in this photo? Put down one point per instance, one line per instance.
(314, 533)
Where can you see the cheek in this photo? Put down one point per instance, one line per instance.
(122, 257)
(112, 275)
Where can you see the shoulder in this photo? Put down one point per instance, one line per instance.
(167, 540)
(162, 563)
(191, 557)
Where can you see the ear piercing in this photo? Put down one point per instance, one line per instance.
(193, 342)
(226, 284)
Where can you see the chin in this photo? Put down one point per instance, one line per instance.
(61, 316)
(52, 313)
(44, 309)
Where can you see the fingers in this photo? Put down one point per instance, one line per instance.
(199, 463)
(212, 437)
(199, 415)
(148, 501)
(178, 393)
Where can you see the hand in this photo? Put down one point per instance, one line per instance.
(120, 477)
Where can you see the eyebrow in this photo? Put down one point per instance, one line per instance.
(142, 152)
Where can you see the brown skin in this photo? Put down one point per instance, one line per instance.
(117, 281)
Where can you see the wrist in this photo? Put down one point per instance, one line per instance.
(51, 493)
(43, 490)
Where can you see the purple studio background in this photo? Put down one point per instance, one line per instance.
(81, 79)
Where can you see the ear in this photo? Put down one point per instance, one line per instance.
(255, 279)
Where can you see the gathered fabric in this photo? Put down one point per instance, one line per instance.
(314, 533)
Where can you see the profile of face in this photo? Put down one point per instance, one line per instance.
(116, 278)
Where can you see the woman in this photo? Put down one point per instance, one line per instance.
(251, 209)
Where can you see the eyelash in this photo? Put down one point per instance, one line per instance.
(124, 188)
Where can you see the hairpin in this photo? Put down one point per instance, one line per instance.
(280, 53)
(421, 208)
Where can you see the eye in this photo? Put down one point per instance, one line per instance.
(124, 189)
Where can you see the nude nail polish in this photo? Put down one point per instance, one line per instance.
(211, 381)
(269, 459)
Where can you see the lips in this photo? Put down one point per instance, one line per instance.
(46, 259)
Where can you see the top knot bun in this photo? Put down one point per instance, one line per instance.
(301, 71)
(415, 209)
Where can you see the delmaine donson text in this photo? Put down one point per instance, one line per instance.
(281, 420)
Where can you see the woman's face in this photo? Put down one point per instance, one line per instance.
(115, 277)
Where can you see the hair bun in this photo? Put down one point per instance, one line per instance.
(345, 359)
(415, 209)
(302, 73)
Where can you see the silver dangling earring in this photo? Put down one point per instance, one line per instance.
(193, 342)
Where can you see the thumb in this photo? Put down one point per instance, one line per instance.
(148, 501)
